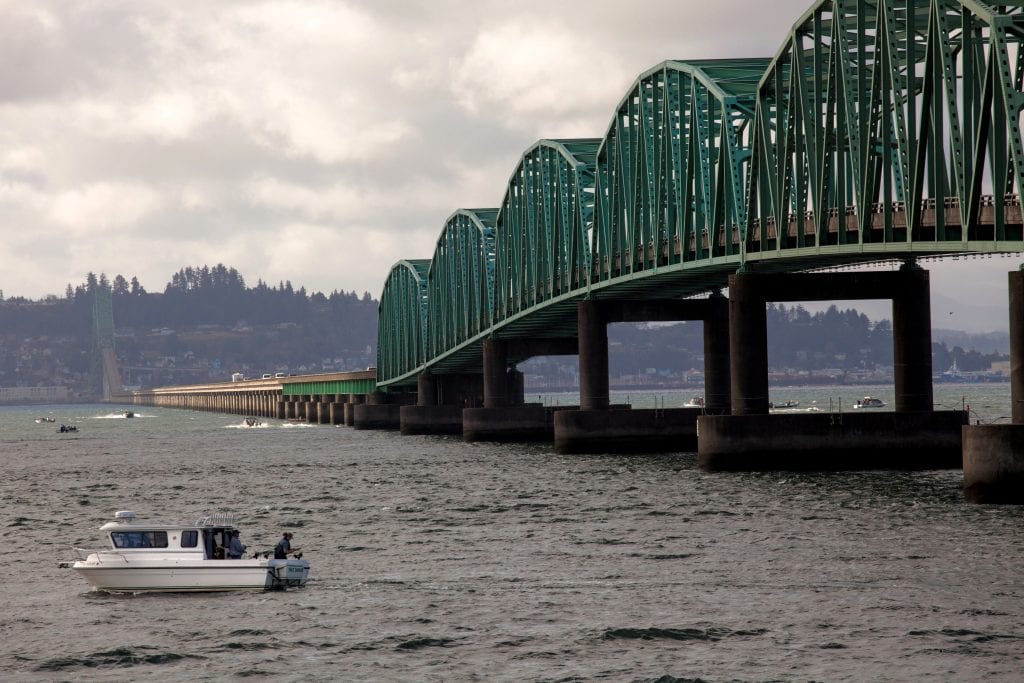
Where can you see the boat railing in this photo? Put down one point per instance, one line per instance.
(217, 519)
(109, 554)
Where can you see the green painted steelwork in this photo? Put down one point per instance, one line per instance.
(891, 125)
(881, 131)
(543, 238)
(345, 386)
(461, 275)
(671, 169)
(402, 319)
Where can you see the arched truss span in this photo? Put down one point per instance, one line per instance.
(402, 320)
(461, 280)
(891, 128)
(542, 240)
(671, 171)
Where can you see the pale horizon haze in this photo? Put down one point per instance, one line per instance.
(320, 142)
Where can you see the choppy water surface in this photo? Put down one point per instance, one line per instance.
(434, 559)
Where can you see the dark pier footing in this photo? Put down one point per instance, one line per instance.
(431, 420)
(831, 441)
(994, 463)
(530, 422)
(376, 416)
(626, 431)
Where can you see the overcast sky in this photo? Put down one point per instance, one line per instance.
(319, 142)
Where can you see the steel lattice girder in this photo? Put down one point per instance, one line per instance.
(890, 129)
(542, 245)
(460, 282)
(671, 169)
(402, 320)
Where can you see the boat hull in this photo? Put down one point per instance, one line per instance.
(114, 576)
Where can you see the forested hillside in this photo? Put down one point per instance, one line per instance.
(206, 323)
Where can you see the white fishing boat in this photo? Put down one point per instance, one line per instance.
(868, 402)
(146, 557)
(695, 402)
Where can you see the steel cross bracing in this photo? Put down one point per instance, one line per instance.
(402, 319)
(881, 130)
(462, 275)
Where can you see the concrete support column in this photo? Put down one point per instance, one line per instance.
(496, 392)
(426, 389)
(1017, 346)
(912, 343)
(748, 347)
(516, 387)
(593, 358)
(717, 382)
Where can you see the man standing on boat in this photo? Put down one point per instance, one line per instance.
(235, 547)
(284, 547)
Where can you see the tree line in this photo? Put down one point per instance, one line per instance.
(200, 295)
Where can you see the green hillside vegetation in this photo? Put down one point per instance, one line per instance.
(204, 325)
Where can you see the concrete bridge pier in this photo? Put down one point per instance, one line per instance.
(913, 437)
(599, 427)
(350, 404)
(993, 455)
(380, 411)
(440, 400)
(336, 410)
(505, 416)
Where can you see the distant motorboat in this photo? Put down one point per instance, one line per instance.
(695, 402)
(253, 422)
(868, 402)
(67, 428)
(41, 420)
(784, 405)
(128, 413)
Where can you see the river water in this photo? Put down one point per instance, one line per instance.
(433, 559)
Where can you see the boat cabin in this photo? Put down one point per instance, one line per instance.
(209, 536)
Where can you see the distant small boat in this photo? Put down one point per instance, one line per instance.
(868, 402)
(695, 402)
(41, 420)
(67, 428)
(128, 413)
(784, 405)
(253, 422)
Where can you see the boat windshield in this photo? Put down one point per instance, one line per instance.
(139, 539)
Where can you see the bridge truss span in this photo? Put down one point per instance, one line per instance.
(892, 124)
(402, 319)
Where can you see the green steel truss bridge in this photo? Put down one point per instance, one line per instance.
(881, 131)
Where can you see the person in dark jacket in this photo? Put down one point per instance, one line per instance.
(284, 547)
(235, 547)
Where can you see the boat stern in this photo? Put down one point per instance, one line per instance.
(282, 574)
